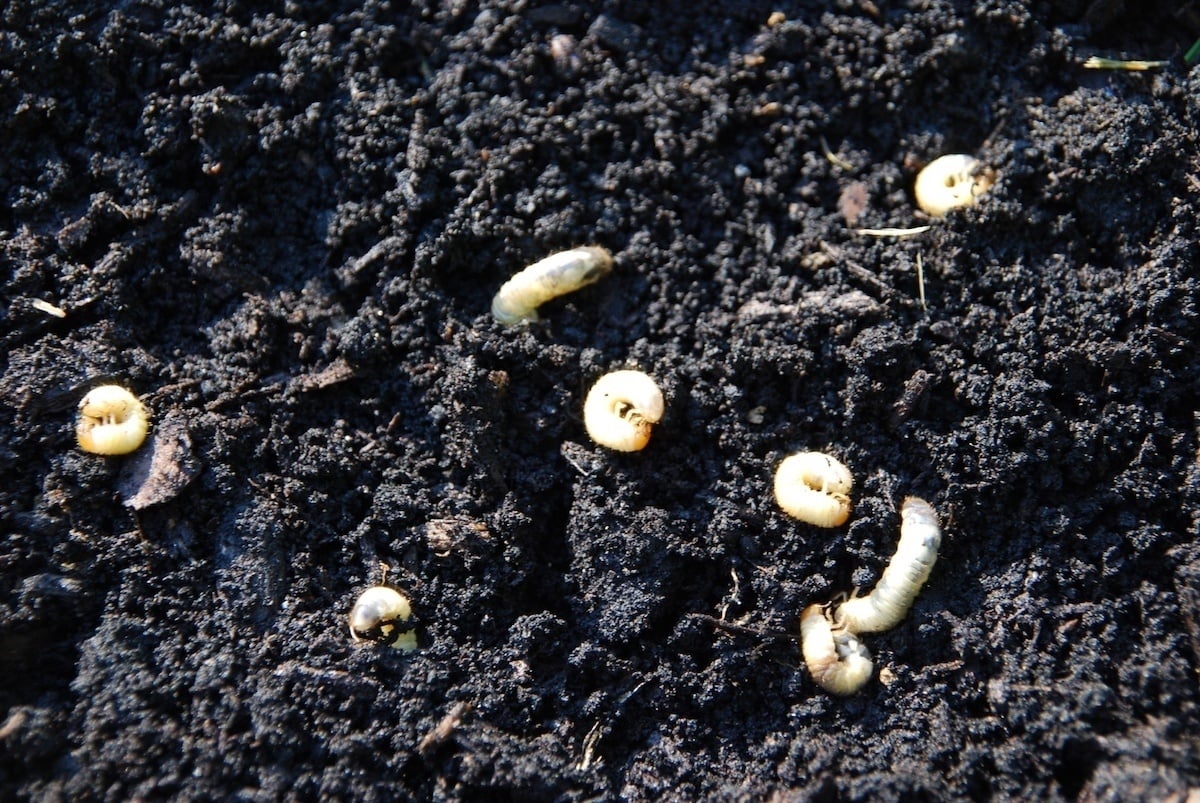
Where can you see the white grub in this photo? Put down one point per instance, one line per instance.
(111, 421)
(950, 182)
(838, 661)
(893, 595)
(621, 410)
(383, 615)
(556, 275)
(815, 488)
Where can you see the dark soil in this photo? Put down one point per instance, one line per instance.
(283, 229)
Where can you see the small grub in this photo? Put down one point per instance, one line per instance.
(621, 409)
(838, 661)
(815, 488)
(48, 308)
(112, 421)
(383, 615)
(951, 182)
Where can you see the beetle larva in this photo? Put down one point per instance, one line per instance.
(950, 182)
(557, 274)
(838, 661)
(814, 488)
(383, 615)
(893, 595)
(621, 409)
(111, 421)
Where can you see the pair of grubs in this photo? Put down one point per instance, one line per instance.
(838, 661)
(947, 183)
(113, 421)
(623, 406)
(619, 413)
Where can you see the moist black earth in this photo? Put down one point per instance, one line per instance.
(283, 227)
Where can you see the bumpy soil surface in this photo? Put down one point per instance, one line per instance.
(284, 231)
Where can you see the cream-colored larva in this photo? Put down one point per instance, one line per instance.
(383, 615)
(893, 595)
(838, 661)
(950, 182)
(621, 409)
(564, 272)
(815, 488)
(111, 421)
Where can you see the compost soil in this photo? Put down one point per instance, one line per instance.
(283, 230)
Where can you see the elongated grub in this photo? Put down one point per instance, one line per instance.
(893, 595)
(556, 275)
